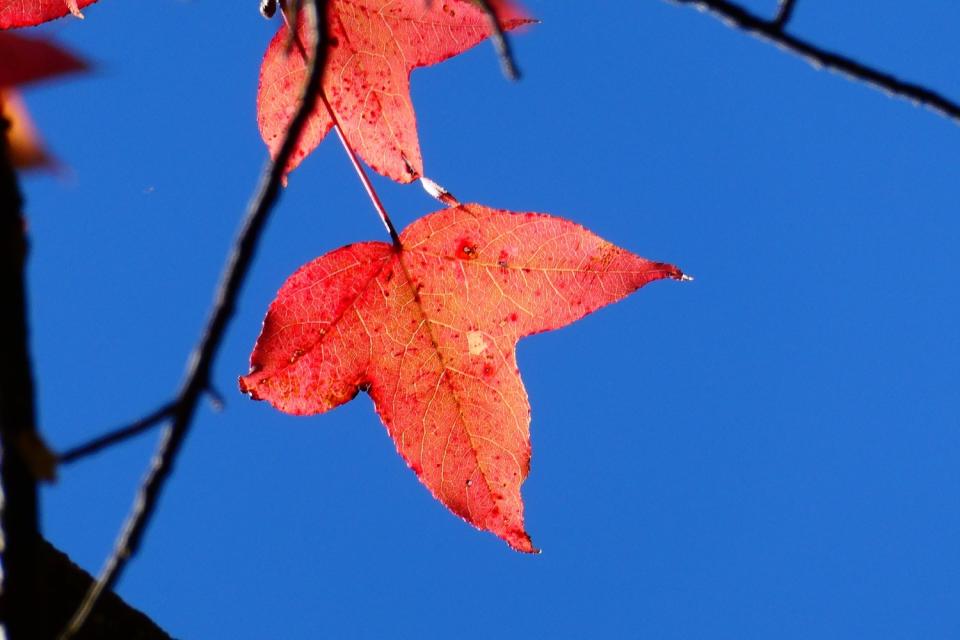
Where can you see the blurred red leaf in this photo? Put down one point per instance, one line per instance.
(374, 45)
(24, 145)
(430, 332)
(25, 60)
(27, 13)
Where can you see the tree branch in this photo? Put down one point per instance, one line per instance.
(62, 584)
(197, 378)
(19, 522)
(500, 42)
(741, 18)
(117, 436)
(784, 13)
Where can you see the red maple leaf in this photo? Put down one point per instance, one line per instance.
(430, 332)
(27, 13)
(25, 60)
(374, 45)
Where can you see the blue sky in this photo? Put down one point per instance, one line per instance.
(770, 451)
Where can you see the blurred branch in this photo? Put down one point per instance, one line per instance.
(500, 42)
(197, 378)
(772, 30)
(19, 522)
(784, 13)
(117, 436)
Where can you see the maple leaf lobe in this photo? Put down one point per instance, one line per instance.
(373, 46)
(28, 13)
(26, 60)
(430, 331)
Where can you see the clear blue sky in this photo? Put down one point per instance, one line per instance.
(771, 451)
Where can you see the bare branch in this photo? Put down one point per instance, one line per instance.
(784, 13)
(117, 436)
(738, 17)
(197, 378)
(500, 42)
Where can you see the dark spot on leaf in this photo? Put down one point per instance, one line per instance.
(466, 250)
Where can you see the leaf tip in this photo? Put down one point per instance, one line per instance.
(74, 9)
(667, 270)
(520, 541)
(247, 386)
(526, 546)
(438, 192)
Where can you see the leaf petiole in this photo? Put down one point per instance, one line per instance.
(367, 185)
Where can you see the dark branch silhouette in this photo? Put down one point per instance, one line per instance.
(772, 30)
(62, 584)
(117, 436)
(500, 42)
(784, 13)
(197, 378)
(19, 519)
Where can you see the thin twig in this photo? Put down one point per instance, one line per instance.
(743, 19)
(117, 436)
(500, 42)
(784, 13)
(199, 365)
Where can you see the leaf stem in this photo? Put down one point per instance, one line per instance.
(200, 362)
(364, 178)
